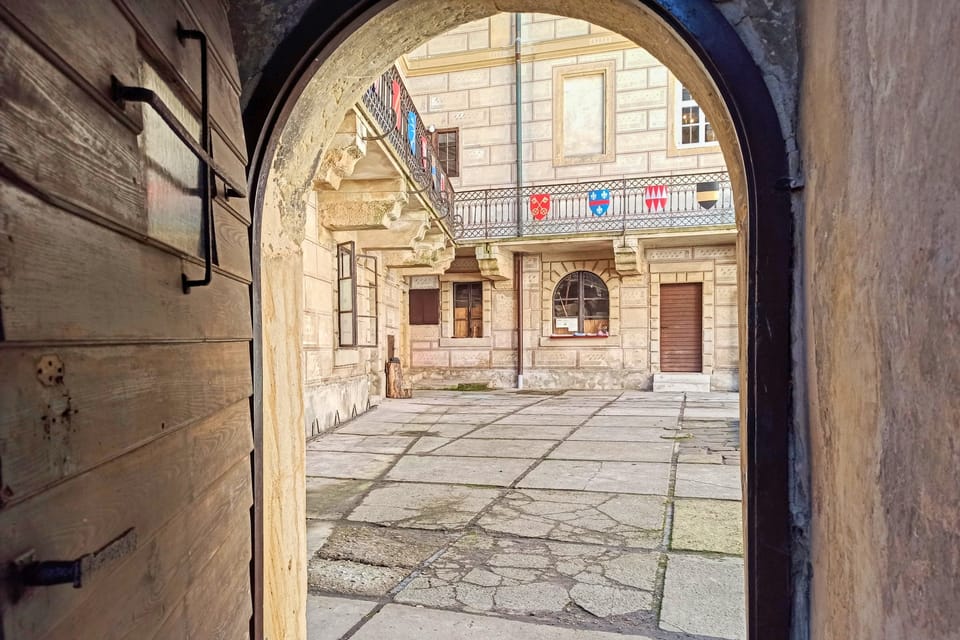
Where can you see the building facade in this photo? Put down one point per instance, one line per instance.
(599, 260)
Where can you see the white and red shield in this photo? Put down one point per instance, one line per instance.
(655, 197)
(539, 205)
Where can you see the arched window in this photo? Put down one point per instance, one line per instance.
(581, 305)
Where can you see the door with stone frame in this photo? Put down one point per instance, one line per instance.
(681, 327)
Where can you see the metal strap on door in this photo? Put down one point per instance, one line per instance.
(202, 150)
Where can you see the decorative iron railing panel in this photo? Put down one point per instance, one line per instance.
(659, 202)
(391, 106)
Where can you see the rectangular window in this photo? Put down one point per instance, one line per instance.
(448, 151)
(347, 294)
(583, 113)
(692, 127)
(424, 306)
(468, 310)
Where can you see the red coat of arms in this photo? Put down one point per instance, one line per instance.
(539, 205)
(655, 197)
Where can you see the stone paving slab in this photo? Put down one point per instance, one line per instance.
(568, 409)
(707, 525)
(522, 432)
(502, 448)
(336, 464)
(704, 596)
(699, 413)
(708, 481)
(641, 410)
(578, 516)
(623, 434)
(551, 580)
(407, 429)
(622, 477)
(360, 444)
(497, 472)
(614, 451)
(398, 622)
(333, 499)
(645, 422)
(423, 506)
(329, 618)
(536, 419)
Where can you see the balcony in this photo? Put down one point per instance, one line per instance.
(396, 120)
(606, 207)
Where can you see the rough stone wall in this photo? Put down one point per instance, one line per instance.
(481, 103)
(341, 382)
(626, 359)
(882, 315)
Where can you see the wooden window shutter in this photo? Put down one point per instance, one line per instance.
(424, 306)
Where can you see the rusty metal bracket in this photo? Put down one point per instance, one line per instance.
(29, 572)
(202, 150)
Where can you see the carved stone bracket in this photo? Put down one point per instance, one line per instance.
(628, 256)
(368, 204)
(346, 149)
(495, 263)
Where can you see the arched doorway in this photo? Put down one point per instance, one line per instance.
(328, 60)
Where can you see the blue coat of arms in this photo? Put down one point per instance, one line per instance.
(599, 201)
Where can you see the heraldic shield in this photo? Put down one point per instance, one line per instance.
(539, 205)
(707, 194)
(655, 197)
(599, 201)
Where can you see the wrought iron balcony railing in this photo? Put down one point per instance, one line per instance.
(661, 202)
(390, 105)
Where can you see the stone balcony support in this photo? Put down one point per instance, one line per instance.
(409, 230)
(362, 204)
(496, 263)
(346, 149)
(628, 256)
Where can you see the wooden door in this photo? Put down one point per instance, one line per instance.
(124, 403)
(681, 327)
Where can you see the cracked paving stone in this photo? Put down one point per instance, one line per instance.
(537, 578)
(423, 506)
(621, 477)
(708, 481)
(586, 517)
(332, 499)
(604, 601)
(351, 578)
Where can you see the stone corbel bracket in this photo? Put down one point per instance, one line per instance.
(346, 149)
(495, 263)
(628, 256)
(368, 204)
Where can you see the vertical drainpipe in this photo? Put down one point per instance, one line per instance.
(518, 257)
(519, 121)
(518, 279)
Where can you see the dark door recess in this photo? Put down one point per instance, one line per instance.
(681, 327)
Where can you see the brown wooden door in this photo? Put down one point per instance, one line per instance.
(681, 327)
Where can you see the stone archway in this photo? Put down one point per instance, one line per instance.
(289, 128)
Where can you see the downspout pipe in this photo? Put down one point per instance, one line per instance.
(518, 280)
(519, 120)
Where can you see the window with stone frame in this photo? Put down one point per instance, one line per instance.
(467, 309)
(581, 305)
(584, 113)
(347, 294)
(691, 127)
(447, 144)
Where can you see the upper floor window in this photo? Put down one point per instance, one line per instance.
(448, 151)
(468, 310)
(692, 128)
(581, 305)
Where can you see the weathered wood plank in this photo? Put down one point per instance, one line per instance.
(92, 38)
(156, 24)
(213, 20)
(57, 136)
(146, 587)
(144, 489)
(233, 243)
(68, 278)
(95, 403)
(222, 592)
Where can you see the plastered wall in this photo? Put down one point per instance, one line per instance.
(627, 358)
(882, 316)
(478, 97)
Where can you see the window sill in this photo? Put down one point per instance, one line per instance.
(599, 342)
(568, 336)
(486, 341)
